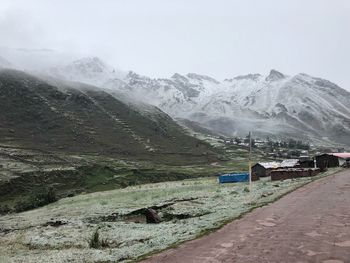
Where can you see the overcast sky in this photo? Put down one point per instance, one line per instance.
(220, 38)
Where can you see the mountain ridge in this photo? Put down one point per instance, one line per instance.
(81, 119)
(276, 104)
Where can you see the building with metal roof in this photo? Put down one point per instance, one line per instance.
(265, 168)
(290, 163)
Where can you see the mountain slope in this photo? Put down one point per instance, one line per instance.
(301, 104)
(275, 105)
(91, 70)
(83, 119)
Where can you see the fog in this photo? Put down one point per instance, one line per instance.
(157, 38)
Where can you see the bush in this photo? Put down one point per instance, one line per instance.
(50, 196)
(95, 239)
(44, 197)
(5, 209)
(96, 242)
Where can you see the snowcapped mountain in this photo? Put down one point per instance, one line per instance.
(275, 105)
(177, 95)
(90, 70)
(288, 106)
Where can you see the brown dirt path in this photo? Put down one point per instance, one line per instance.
(311, 224)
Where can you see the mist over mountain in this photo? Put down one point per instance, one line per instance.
(129, 127)
(4, 63)
(90, 70)
(275, 105)
(80, 118)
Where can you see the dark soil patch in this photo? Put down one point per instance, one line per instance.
(139, 215)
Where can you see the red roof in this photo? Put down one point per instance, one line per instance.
(342, 155)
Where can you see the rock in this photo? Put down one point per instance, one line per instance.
(275, 75)
(152, 217)
(266, 194)
(56, 223)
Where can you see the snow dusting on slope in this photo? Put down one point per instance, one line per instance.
(275, 104)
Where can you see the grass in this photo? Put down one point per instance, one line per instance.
(253, 206)
(202, 203)
(91, 173)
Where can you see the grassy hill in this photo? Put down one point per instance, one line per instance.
(77, 138)
(87, 120)
(73, 138)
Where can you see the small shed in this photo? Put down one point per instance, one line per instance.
(326, 161)
(264, 169)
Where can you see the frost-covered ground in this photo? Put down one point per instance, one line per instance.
(189, 208)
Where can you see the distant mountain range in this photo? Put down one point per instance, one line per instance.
(276, 105)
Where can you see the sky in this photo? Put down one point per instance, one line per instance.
(219, 38)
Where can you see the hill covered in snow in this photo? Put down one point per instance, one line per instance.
(275, 105)
(90, 70)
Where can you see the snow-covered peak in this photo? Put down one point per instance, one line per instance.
(275, 75)
(91, 70)
(179, 77)
(195, 76)
(93, 64)
(132, 78)
(293, 106)
(299, 105)
(133, 75)
(254, 77)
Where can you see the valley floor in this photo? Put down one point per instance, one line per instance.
(109, 226)
(309, 225)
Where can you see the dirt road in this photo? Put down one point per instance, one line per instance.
(311, 224)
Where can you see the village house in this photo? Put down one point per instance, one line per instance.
(328, 160)
(264, 169)
(342, 157)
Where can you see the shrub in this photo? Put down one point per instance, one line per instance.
(5, 209)
(95, 239)
(96, 242)
(50, 196)
(44, 197)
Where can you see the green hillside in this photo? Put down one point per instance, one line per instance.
(87, 120)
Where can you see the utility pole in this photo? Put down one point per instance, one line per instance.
(250, 165)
